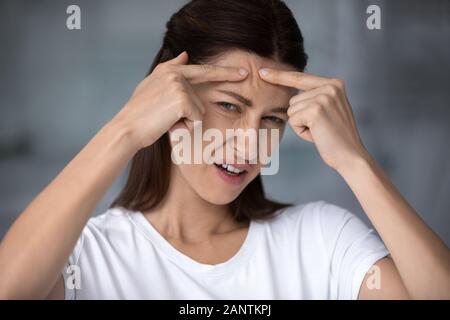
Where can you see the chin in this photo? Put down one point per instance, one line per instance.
(218, 196)
(220, 191)
(214, 185)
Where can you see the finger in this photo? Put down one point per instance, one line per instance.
(192, 116)
(193, 113)
(306, 95)
(306, 135)
(181, 59)
(299, 123)
(299, 105)
(198, 103)
(192, 108)
(295, 79)
(195, 98)
(195, 73)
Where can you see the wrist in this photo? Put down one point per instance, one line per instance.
(121, 135)
(355, 163)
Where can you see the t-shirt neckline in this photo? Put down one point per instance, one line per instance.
(186, 262)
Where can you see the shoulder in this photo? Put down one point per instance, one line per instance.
(328, 242)
(112, 228)
(103, 242)
(318, 221)
(321, 214)
(113, 220)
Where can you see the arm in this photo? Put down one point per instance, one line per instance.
(38, 244)
(35, 249)
(419, 257)
(321, 114)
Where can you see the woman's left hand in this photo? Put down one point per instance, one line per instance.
(321, 114)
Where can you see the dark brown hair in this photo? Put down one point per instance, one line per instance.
(205, 29)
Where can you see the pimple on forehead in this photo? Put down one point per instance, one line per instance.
(252, 62)
(240, 58)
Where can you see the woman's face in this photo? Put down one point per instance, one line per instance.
(249, 105)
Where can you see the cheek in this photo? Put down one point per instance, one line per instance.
(211, 119)
(194, 175)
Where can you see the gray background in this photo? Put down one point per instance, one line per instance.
(58, 87)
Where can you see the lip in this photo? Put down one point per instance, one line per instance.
(246, 167)
(234, 180)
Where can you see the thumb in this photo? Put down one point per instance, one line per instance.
(304, 133)
(182, 58)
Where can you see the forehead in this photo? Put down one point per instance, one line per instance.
(248, 60)
(253, 87)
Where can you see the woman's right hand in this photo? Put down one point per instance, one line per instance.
(56, 217)
(165, 97)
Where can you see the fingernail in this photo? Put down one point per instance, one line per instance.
(243, 72)
(263, 72)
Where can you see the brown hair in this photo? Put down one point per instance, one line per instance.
(205, 29)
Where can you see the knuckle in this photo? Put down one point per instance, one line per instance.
(207, 68)
(316, 111)
(298, 77)
(325, 99)
(157, 68)
(295, 118)
(173, 77)
(292, 121)
(332, 90)
(161, 67)
(290, 111)
(184, 110)
(339, 83)
(293, 100)
(177, 88)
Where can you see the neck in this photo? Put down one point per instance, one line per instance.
(184, 215)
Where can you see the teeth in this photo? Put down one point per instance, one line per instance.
(233, 169)
(230, 168)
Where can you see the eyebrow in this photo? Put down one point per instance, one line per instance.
(249, 103)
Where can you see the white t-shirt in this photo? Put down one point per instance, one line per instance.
(311, 251)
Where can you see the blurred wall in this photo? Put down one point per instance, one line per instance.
(58, 87)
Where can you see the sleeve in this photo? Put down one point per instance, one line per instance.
(72, 272)
(352, 247)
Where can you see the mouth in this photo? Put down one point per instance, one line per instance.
(231, 174)
(230, 169)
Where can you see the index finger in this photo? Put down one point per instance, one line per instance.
(294, 79)
(196, 73)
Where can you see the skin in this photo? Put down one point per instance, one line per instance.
(322, 114)
(269, 111)
(195, 219)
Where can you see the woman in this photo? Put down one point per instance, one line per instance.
(202, 231)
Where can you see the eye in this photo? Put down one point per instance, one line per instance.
(227, 106)
(274, 119)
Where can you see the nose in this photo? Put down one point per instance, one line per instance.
(245, 141)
